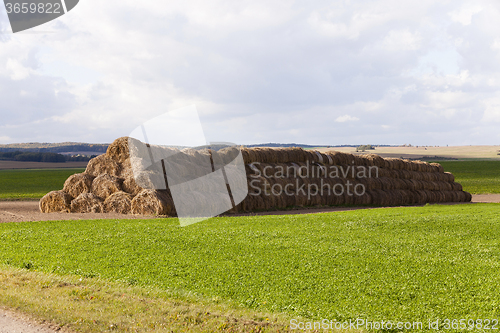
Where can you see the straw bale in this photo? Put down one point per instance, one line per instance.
(105, 185)
(245, 155)
(130, 186)
(246, 205)
(374, 160)
(55, 201)
(118, 150)
(450, 176)
(87, 203)
(442, 196)
(118, 202)
(103, 164)
(151, 202)
(77, 184)
(438, 167)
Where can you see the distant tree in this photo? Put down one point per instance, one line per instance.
(39, 157)
(364, 148)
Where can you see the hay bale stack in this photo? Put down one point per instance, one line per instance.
(105, 185)
(87, 203)
(55, 201)
(77, 184)
(109, 183)
(118, 202)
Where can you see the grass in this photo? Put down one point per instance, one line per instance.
(476, 177)
(96, 305)
(399, 264)
(32, 184)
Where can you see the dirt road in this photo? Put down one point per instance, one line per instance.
(11, 322)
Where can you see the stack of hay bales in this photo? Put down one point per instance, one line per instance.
(108, 184)
(397, 181)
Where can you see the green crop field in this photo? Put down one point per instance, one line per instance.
(32, 184)
(399, 264)
(476, 177)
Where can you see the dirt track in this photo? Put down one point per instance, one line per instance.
(12, 322)
(22, 211)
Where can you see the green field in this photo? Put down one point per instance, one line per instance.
(476, 177)
(32, 184)
(407, 264)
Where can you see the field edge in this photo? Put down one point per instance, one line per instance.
(71, 303)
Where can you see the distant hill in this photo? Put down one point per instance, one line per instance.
(64, 147)
(81, 148)
(284, 145)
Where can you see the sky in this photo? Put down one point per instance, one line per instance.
(316, 72)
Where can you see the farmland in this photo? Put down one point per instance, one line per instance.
(254, 273)
(414, 263)
(476, 176)
(32, 184)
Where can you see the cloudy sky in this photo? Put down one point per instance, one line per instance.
(319, 72)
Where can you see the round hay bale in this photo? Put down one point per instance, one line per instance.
(129, 185)
(87, 203)
(55, 201)
(441, 196)
(126, 169)
(260, 155)
(103, 164)
(437, 167)
(368, 159)
(151, 202)
(388, 164)
(118, 202)
(423, 196)
(444, 186)
(450, 176)
(409, 165)
(377, 197)
(252, 155)
(285, 155)
(245, 155)
(77, 184)
(105, 185)
(297, 154)
(118, 150)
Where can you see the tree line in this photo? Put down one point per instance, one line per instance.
(41, 157)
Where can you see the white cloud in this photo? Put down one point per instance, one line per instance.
(344, 118)
(402, 40)
(465, 13)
